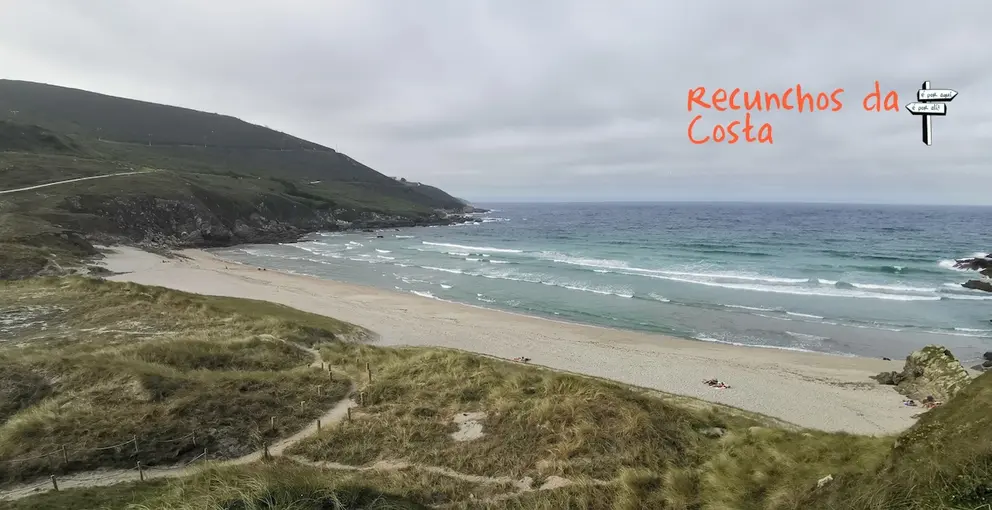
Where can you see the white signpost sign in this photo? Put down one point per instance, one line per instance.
(930, 102)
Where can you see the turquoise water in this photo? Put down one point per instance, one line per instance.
(859, 280)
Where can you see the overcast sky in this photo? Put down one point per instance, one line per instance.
(553, 100)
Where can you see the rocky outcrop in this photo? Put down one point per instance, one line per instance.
(984, 267)
(207, 220)
(986, 363)
(974, 263)
(930, 371)
(985, 285)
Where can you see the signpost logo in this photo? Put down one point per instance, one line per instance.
(930, 102)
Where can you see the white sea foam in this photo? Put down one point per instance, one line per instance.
(742, 344)
(949, 264)
(805, 315)
(442, 269)
(472, 248)
(805, 336)
(754, 308)
(828, 291)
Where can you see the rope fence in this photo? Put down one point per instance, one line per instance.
(64, 452)
(62, 456)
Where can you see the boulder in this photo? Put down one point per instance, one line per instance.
(984, 285)
(888, 378)
(987, 363)
(987, 356)
(932, 370)
(714, 432)
(973, 263)
(823, 481)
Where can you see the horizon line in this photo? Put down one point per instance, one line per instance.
(716, 201)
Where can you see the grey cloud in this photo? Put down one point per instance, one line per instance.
(557, 100)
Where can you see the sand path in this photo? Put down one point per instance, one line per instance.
(106, 477)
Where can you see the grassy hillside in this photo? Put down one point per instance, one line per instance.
(91, 363)
(148, 134)
(91, 115)
(210, 180)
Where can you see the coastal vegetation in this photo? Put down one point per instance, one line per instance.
(180, 178)
(90, 363)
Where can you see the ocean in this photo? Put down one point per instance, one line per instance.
(845, 279)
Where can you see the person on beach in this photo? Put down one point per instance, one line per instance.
(715, 383)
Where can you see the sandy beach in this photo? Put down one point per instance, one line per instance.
(819, 391)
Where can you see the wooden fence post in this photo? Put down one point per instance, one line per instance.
(194, 438)
(272, 422)
(265, 452)
(318, 391)
(136, 444)
(65, 455)
(363, 399)
(141, 474)
(54, 483)
(318, 425)
(349, 413)
(368, 368)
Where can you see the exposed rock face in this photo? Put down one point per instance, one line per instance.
(974, 263)
(932, 370)
(209, 221)
(985, 285)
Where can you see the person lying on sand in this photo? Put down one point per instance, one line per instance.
(931, 403)
(910, 403)
(716, 384)
(521, 359)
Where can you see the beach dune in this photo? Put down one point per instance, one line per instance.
(819, 391)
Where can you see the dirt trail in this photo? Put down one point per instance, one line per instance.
(4, 192)
(105, 477)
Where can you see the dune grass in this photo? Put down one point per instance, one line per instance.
(538, 423)
(944, 461)
(541, 423)
(87, 364)
(115, 497)
(92, 362)
(279, 484)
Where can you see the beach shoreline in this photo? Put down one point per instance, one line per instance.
(815, 390)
